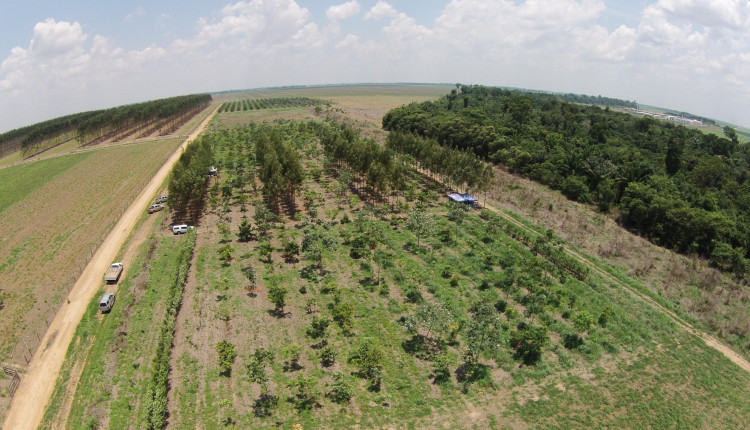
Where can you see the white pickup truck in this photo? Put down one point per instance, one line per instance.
(113, 273)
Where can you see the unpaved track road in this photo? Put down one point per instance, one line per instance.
(30, 401)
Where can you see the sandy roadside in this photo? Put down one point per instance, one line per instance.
(35, 390)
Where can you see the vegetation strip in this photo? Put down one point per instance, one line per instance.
(156, 394)
(164, 116)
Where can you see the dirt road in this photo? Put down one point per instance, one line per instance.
(37, 385)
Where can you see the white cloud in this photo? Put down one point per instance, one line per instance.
(343, 11)
(139, 11)
(678, 53)
(381, 10)
(56, 38)
(348, 42)
(260, 23)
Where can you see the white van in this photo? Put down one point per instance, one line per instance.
(180, 229)
(106, 302)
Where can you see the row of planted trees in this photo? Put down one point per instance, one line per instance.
(370, 167)
(270, 103)
(116, 121)
(87, 127)
(280, 169)
(187, 183)
(460, 170)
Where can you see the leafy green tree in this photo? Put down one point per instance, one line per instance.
(263, 219)
(528, 342)
(226, 356)
(327, 355)
(343, 314)
(307, 392)
(225, 254)
(483, 332)
(430, 317)
(340, 390)
(318, 327)
(583, 321)
(245, 233)
(292, 353)
(277, 295)
(369, 359)
(291, 251)
(249, 273)
(265, 250)
(420, 224)
(256, 366)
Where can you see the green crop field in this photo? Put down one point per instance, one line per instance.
(475, 321)
(19, 181)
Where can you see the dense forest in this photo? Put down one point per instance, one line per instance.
(682, 188)
(161, 116)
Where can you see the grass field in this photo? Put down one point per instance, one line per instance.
(16, 183)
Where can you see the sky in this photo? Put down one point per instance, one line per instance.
(58, 58)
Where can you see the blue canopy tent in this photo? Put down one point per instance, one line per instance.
(463, 198)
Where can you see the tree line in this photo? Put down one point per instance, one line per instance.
(279, 167)
(187, 182)
(461, 170)
(682, 188)
(87, 127)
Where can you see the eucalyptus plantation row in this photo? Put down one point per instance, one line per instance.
(117, 121)
(94, 126)
(280, 168)
(461, 170)
(375, 170)
(187, 183)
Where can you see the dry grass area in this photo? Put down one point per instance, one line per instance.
(363, 102)
(715, 299)
(48, 237)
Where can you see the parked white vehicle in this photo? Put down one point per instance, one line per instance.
(106, 302)
(113, 273)
(181, 228)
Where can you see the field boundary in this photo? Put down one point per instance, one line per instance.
(27, 410)
(709, 340)
(680, 322)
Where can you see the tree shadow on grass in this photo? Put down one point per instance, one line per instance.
(572, 341)
(264, 404)
(474, 373)
(278, 313)
(422, 347)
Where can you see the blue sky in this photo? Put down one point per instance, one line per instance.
(58, 58)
